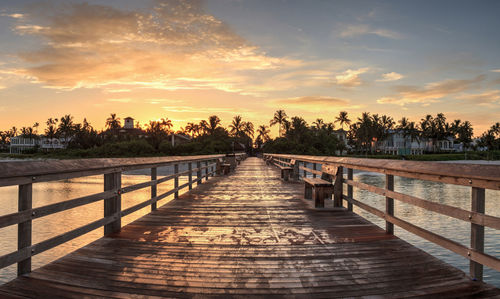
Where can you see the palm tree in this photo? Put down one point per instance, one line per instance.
(113, 122)
(319, 124)
(236, 126)
(51, 131)
(203, 126)
(13, 131)
(167, 124)
(35, 128)
(66, 126)
(263, 133)
(343, 119)
(280, 119)
(248, 129)
(465, 133)
(191, 128)
(213, 123)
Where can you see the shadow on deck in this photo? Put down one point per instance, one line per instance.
(247, 234)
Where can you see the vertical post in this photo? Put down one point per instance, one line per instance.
(389, 203)
(305, 172)
(176, 180)
(477, 233)
(198, 173)
(153, 187)
(190, 175)
(349, 188)
(337, 187)
(314, 168)
(25, 201)
(113, 205)
(206, 170)
(295, 170)
(218, 166)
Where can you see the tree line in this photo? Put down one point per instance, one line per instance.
(363, 134)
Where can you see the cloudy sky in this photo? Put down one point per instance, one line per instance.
(186, 60)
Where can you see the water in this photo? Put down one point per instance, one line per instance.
(56, 224)
(51, 192)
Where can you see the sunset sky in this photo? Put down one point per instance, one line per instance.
(186, 60)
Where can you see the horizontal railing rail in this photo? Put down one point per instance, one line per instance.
(26, 173)
(478, 177)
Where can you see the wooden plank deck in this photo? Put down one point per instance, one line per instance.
(242, 235)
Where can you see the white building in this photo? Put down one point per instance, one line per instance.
(399, 144)
(19, 144)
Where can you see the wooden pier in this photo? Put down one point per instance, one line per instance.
(246, 234)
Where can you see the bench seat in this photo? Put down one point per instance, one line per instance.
(317, 189)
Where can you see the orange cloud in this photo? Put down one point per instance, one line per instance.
(350, 78)
(431, 92)
(175, 46)
(392, 76)
(486, 98)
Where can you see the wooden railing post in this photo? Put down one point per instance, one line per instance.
(113, 205)
(198, 173)
(154, 187)
(176, 180)
(24, 230)
(349, 188)
(314, 168)
(295, 170)
(477, 233)
(218, 166)
(206, 170)
(305, 172)
(190, 175)
(389, 203)
(337, 187)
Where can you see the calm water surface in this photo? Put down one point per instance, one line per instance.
(52, 192)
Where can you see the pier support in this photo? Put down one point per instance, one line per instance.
(337, 187)
(349, 189)
(24, 230)
(477, 233)
(113, 205)
(153, 187)
(389, 203)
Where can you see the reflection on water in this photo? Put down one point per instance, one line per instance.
(56, 224)
(52, 192)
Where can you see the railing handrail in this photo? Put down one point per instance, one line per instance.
(25, 174)
(476, 175)
(22, 172)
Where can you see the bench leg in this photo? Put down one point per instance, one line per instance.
(308, 191)
(320, 194)
(286, 175)
(319, 197)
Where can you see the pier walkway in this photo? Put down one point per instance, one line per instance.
(246, 234)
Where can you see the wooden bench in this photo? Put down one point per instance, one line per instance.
(317, 189)
(285, 172)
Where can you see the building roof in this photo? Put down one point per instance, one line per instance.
(128, 117)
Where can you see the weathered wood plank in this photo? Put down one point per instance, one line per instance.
(248, 235)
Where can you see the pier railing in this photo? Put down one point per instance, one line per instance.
(478, 177)
(25, 174)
